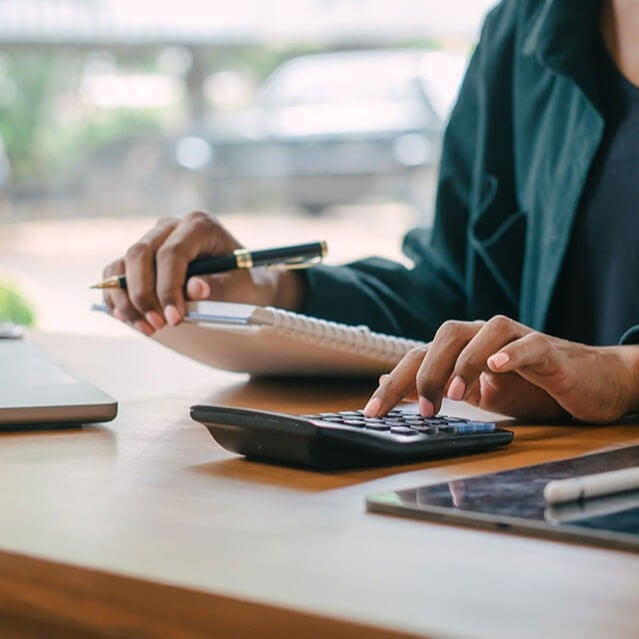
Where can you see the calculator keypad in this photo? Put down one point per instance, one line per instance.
(404, 423)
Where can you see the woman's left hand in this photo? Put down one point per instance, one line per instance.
(504, 366)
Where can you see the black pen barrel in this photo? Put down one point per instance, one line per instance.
(211, 265)
(287, 253)
(293, 256)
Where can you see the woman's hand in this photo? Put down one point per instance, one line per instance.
(155, 268)
(504, 366)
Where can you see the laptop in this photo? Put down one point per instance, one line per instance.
(37, 392)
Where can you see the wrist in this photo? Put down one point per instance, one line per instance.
(291, 290)
(629, 356)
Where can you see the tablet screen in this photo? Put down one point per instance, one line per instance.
(513, 501)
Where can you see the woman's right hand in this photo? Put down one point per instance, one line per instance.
(155, 269)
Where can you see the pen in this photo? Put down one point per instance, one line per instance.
(575, 488)
(588, 508)
(290, 257)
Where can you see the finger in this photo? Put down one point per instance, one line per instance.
(472, 360)
(584, 380)
(118, 302)
(229, 287)
(511, 394)
(110, 295)
(434, 374)
(396, 385)
(139, 264)
(411, 396)
(538, 358)
(198, 288)
(117, 299)
(197, 234)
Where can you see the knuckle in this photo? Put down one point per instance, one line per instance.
(448, 330)
(169, 251)
(138, 251)
(417, 353)
(538, 340)
(198, 217)
(500, 323)
(167, 221)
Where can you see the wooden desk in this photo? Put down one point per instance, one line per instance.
(145, 527)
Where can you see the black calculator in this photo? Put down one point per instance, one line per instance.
(346, 439)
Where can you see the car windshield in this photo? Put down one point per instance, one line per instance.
(340, 80)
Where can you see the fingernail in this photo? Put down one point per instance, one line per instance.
(198, 288)
(456, 389)
(143, 327)
(498, 360)
(426, 408)
(172, 315)
(373, 407)
(155, 319)
(117, 314)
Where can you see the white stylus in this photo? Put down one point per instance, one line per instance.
(614, 481)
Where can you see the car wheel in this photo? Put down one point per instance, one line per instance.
(314, 209)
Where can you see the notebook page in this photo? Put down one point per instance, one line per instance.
(270, 341)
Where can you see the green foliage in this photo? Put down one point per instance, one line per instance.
(13, 307)
(67, 144)
(24, 98)
(41, 134)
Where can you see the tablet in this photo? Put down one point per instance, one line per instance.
(512, 501)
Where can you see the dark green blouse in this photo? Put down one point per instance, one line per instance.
(516, 156)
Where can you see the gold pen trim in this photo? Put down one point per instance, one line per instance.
(243, 258)
(109, 282)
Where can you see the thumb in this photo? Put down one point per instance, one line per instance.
(197, 288)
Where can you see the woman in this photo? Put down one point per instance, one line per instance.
(524, 286)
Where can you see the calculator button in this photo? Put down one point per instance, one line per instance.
(403, 430)
(359, 423)
(377, 426)
(474, 427)
(425, 429)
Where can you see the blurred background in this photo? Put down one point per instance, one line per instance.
(292, 120)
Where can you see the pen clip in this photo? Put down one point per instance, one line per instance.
(297, 263)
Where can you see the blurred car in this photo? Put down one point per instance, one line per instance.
(329, 129)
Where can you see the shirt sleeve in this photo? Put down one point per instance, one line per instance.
(631, 336)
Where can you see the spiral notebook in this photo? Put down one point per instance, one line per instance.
(269, 341)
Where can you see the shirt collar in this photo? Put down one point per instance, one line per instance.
(562, 37)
